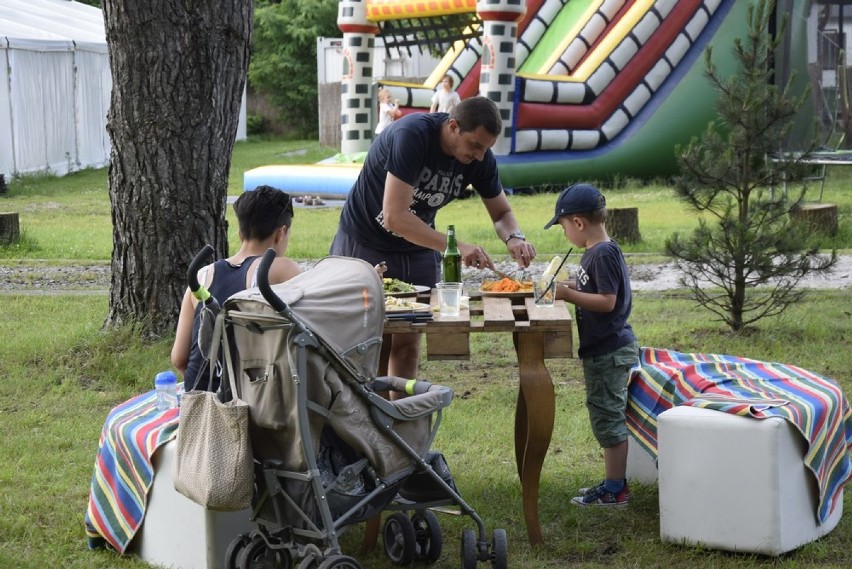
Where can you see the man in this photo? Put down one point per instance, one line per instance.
(416, 166)
(445, 99)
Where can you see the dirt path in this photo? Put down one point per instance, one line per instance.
(95, 279)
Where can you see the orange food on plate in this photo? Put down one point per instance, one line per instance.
(506, 285)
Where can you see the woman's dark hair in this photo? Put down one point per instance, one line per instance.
(262, 211)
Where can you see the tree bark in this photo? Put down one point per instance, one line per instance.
(10, 229)
(178, 72)
(622, 224)
(817, 217)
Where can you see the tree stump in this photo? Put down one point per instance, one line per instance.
(10, 231)
(817, 217)
(622, 224)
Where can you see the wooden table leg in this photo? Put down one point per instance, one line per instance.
(371, 533)
(534, 416)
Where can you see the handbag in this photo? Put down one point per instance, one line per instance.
(214, 465)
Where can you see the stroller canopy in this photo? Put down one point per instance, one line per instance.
(340, 298)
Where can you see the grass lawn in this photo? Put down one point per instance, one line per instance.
(62, 374)
(68, 219)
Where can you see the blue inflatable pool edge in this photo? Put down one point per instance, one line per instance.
(328, 181)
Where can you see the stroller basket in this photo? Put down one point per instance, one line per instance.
(329, 450)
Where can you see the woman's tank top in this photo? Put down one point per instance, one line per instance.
(228, 279)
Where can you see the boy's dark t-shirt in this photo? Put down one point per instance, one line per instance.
(604, 271)
(410, 149)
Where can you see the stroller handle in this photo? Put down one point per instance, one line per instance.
(200, 293)
(263, 281)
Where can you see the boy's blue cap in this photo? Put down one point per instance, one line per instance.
(579, 198)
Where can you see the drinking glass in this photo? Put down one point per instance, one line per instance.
(449, 297)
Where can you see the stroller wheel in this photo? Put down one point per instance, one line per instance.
(399, 539)
(257, 555)
(469, 554)
(429, 537)
(339, 562)
(499, 550)
(234, 549)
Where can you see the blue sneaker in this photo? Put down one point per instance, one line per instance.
(602, 498)
(584, 491)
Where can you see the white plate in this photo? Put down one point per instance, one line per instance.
(417, 290)
(406, 306)
(513, 294)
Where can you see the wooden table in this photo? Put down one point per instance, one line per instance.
(538, 334)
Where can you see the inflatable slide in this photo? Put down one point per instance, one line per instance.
(600, 89)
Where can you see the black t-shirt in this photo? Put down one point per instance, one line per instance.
(410, 149)
(604, 271)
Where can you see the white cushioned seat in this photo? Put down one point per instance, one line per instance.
(641, 466)
(177, 532)
(736, 483)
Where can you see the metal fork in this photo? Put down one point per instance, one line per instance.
(501, 274)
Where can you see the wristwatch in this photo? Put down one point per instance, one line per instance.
(516, 235)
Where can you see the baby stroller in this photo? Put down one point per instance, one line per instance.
(329, 450)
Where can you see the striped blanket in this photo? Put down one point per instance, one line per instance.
(123, 470)
(814, 404)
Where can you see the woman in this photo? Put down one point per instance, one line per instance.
(265, 216)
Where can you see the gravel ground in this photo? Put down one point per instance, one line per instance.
(93, 279)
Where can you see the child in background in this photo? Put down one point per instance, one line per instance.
(609, 349)
(445, 98)
(388, 110)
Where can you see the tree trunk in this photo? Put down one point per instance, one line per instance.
(817, 217)
(622, 224)
(178, 72)
(10, 229)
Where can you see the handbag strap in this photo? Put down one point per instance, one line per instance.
(214, 350)
(229, 365)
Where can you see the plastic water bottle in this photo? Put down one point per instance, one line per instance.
(166, 385)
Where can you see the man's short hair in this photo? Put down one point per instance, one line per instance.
(262, 211)
(477, 112)
(450, 77)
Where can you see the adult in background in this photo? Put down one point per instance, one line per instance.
(265, 216)
(416, 166)
(445, 99)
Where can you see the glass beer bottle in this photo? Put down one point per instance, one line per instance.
(452, 258)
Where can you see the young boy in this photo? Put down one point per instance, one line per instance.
(608, 347)
(445, 99)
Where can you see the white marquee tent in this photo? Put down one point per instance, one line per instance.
(55, 87)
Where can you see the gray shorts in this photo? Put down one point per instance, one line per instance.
(421, 267)
(606, 377)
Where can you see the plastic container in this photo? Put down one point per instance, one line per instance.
(165, 384)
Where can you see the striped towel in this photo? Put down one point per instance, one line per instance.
(742, 386)
(123, 470)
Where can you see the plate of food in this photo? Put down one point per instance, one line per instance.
(506, 287)
(402, 289)
(397, 304)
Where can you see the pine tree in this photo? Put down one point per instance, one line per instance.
(746, 248)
